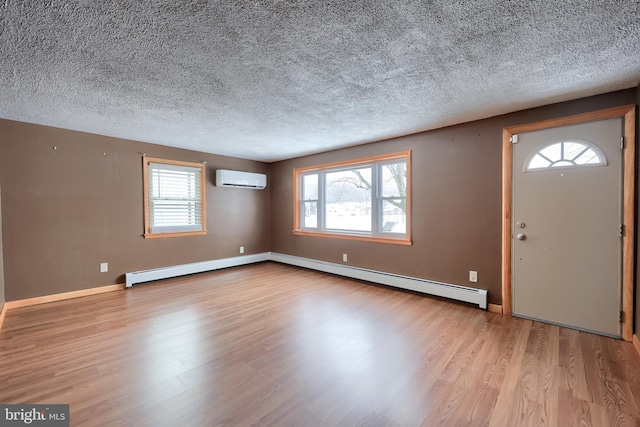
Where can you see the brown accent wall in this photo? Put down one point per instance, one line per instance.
(456, 210)
(637, 290)
(64, 211)
(67, 210)
(2, 296)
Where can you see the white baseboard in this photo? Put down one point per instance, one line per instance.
(446, 290)
(196, 267)
(460, 293)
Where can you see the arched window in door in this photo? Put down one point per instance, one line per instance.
(566, 154)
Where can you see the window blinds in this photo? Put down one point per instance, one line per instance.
(175, 198)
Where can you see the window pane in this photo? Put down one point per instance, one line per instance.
(175, 199)
(588, 157)
(552, 152)
(310, 187)
(310, 215)
(562, 163)
(538, 162)
(394, 180)
(394, 217)
(173, 182)
(348, 200)
(573, 149)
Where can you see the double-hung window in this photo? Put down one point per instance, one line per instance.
(174, 198)
(363, 199)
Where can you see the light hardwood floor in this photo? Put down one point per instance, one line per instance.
(269, 344)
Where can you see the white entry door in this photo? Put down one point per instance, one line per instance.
(567, 214)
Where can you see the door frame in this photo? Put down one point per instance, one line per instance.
(628, 113)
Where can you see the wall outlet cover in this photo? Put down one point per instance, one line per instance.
(473, 276)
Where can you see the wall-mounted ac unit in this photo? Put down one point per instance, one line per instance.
(239, 179)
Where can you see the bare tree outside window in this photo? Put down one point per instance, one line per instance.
(348, 200)
(362, 199)
(392, 193)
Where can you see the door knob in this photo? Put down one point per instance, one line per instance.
(521, 236)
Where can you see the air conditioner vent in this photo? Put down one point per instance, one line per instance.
(239, 179)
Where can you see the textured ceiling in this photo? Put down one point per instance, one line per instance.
(269, 80)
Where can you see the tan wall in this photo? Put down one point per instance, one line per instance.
(637, 291)
(64, 211)
(67, 210)
(2, 296)
(456, 200)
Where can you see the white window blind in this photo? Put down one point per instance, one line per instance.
(175, 198)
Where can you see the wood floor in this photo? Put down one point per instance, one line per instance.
(269, 344)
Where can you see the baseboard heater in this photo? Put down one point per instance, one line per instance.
(196, 267)
(460, 293)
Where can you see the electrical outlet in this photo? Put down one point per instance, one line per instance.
(241, 249)
(344, 257)
(473, 276)
(104, 267)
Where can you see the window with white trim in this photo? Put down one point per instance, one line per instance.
(174, 198)
(364, 199)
